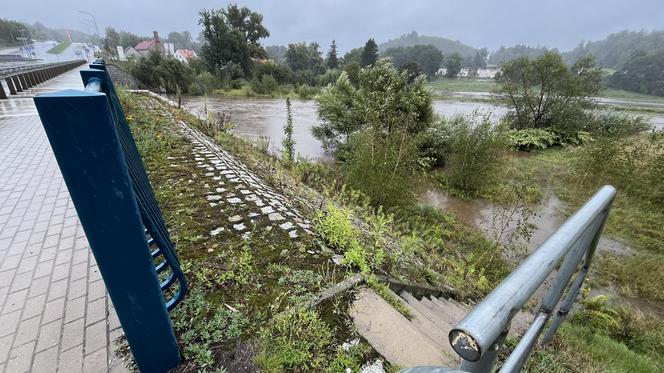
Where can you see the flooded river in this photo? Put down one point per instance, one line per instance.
(254, 117)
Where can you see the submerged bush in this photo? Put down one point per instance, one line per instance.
(613, 123)
(382, 167)
(634, 165)
(476, 146)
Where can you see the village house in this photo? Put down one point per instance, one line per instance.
(185, 55)
(146, 46)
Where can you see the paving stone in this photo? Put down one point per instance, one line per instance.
(49, 335)
(20, 357)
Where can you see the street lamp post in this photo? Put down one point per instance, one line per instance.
(94, 20)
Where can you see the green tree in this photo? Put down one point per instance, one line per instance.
(545, 93)
(288, 143)
(427, 57)
(302, 56)
(383, 98)
(353, 55)
(181, 40)
(369, 53)
(112, 37)
(332, 59)
(453, 64)
(479, 60)
(643, 72)
(232, 37)
(9, 34)
(157, 71)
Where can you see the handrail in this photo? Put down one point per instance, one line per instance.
(480, 334)
(9, 71)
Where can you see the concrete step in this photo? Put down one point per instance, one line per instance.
(393, 335)
(437, 319)
(453, 311)
(426, 326)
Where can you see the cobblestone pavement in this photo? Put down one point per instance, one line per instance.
(232, 183)
(55, 314)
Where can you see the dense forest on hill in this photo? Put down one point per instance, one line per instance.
(446, 46)
(617, 49)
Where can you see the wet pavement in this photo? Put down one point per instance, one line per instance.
(55, 313)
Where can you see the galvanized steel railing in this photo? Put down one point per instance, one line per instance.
(479, 336)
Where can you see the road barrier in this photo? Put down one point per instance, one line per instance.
(106, 179)
(22, 78)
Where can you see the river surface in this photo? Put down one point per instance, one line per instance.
(255, 117)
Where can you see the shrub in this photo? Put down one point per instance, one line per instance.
(204, 83)
(265, 85)
(383, 99)
(530, 139)
(434, 143)
(634, 165)
(475, 158)
(157, 71)
(297, 340)
(382, 167)
(613, 123)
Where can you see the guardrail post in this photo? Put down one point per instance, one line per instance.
(89, 154)
(10, 85)
(17, 83)
(24, 81)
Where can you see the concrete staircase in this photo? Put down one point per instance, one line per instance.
(422, 340)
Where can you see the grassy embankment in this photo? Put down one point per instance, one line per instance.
(244, 307)
(239, 286)
(58, 49)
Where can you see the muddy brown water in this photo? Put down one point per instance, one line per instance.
(255, 117)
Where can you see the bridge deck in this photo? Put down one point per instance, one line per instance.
(55, 314)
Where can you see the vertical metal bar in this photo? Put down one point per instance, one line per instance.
(563, 311)
(24, 81)
(17, 83)
(3, 95)
(516, 359)
(80, 129)
(10, 85)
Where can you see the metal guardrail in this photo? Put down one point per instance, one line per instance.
(21, 78)
(480, 335)
(106, 179)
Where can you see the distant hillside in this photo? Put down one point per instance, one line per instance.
(446, 46)
(616, 49)
(504, 54)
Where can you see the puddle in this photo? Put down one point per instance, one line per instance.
(506, 224)
(640, 304)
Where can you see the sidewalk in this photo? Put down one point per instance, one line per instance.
(55, 314)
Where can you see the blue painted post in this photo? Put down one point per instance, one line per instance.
(80, 128)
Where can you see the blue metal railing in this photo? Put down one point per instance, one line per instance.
(107, 182)
(97, 78)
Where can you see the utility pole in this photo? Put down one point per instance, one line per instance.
(94, 21)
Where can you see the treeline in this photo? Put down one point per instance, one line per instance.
(618, 49)
(506, 54)
(446, 46)
(643, 72)
(10, 34)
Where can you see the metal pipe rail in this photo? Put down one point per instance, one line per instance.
(21, 78)
(478, 337)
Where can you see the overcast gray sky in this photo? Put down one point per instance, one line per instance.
(554, 23)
